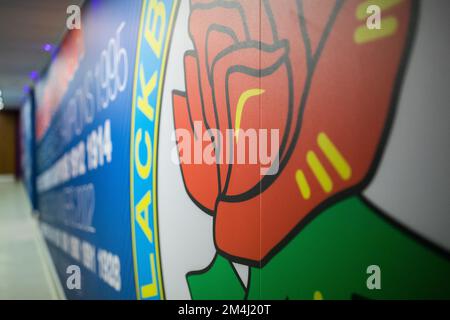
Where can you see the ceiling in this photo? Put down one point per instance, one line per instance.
(25, 26)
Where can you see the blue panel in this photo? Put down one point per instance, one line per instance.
(83, 145)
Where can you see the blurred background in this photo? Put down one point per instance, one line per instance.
(30, 32)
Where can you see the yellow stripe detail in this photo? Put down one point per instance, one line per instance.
(319, 171)
(156, 140)
(303, 184)
(240, 107)
(318, 295)
(133, 112)
(364, 35)
(334, 156)
(361, 10)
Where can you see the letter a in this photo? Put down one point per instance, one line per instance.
(74, 19)
(74, 280)
(374, 20)
(374, 280)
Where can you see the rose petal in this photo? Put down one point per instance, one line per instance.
(237, 80)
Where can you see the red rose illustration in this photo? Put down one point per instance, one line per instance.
(312, 70)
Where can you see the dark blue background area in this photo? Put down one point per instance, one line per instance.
(111, 218)
(27, 143)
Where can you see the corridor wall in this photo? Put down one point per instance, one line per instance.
(138, 189)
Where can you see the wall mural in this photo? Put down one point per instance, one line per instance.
(257, 149)
(331, 87)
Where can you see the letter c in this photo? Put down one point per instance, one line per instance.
(143, 169)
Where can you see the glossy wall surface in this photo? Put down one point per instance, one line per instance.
(346, 194)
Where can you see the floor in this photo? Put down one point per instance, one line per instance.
(26, 271)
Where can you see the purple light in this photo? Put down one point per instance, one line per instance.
(47, 47)
(26, 89)
(34, 75)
